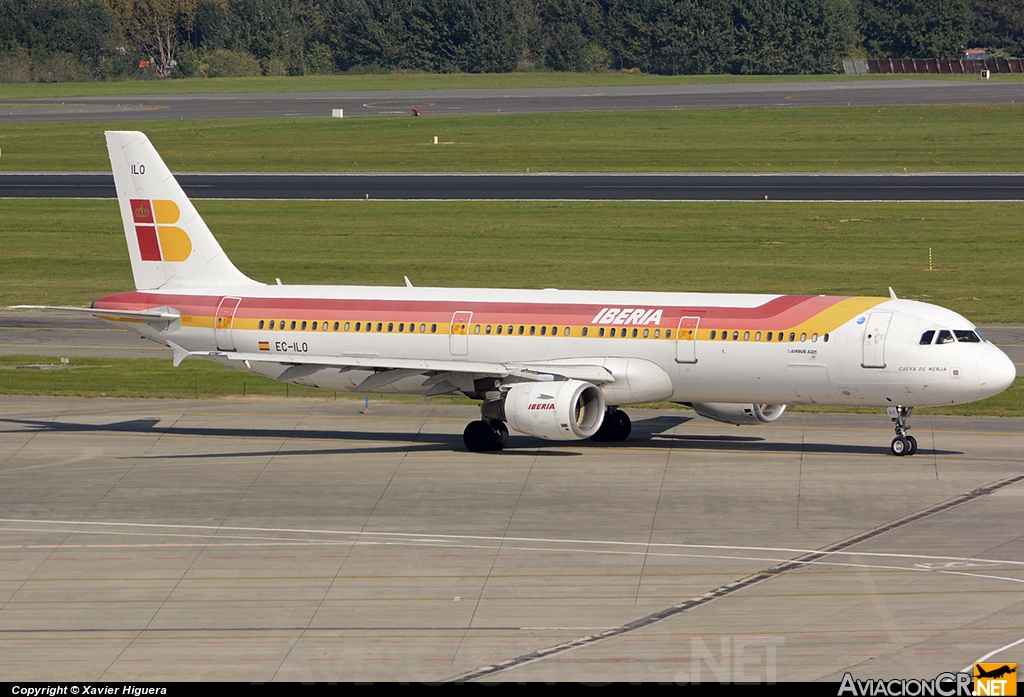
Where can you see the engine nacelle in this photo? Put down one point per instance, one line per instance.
(559, 410)
(740, 414)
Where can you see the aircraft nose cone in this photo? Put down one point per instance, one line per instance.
(996, 372)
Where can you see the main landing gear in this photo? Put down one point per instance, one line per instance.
(616, 426)
(486, 434)
(902, 444)
(492, 434)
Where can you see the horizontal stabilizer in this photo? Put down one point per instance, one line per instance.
(149, 316)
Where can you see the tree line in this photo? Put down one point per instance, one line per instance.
(62, 40)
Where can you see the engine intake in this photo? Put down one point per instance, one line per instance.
(739, 414)
(560, 410)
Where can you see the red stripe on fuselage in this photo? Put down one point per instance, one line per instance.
(787, 310)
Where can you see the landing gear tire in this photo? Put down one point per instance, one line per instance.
(615, 427)
(482, 436)
(500, 435)
(913, 445)
(623, 426)
(478, 437)
(900, 446)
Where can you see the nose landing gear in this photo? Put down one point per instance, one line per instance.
(902, 444)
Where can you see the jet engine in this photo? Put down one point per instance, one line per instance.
(559, 410)
(739, 414)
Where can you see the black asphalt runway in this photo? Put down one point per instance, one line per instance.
(868, 92)
(587, 187)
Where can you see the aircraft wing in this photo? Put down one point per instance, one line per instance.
(388, 370)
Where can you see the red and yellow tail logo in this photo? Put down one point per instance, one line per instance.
(158, 239)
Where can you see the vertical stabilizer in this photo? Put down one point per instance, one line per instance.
(169, 244)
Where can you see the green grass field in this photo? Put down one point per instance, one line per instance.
(420, 81)
(73, 251)
(979, 138)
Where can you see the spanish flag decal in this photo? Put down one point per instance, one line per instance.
(158, 239)
(264, 346)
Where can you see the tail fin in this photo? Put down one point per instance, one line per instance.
(169, 244)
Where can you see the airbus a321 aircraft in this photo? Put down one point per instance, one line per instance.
(549, 363)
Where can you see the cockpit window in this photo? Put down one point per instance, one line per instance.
(967, 336)
(927, 337)
(945, 337)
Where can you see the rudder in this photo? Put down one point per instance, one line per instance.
(169, 244)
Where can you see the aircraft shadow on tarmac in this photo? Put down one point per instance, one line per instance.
(648, 434)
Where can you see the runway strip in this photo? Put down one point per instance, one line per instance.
(543, 187)
(850, 92)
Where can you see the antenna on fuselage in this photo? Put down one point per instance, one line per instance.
(892, 294)
(408, 283)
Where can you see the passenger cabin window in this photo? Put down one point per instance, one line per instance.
(927, 337)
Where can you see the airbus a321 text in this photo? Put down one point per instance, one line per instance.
(556, 364)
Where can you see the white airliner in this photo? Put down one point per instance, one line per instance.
(549, 363)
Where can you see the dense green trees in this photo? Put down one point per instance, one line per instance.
(106, 39)
(999, 26)
(59, 40)
(916, 28)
